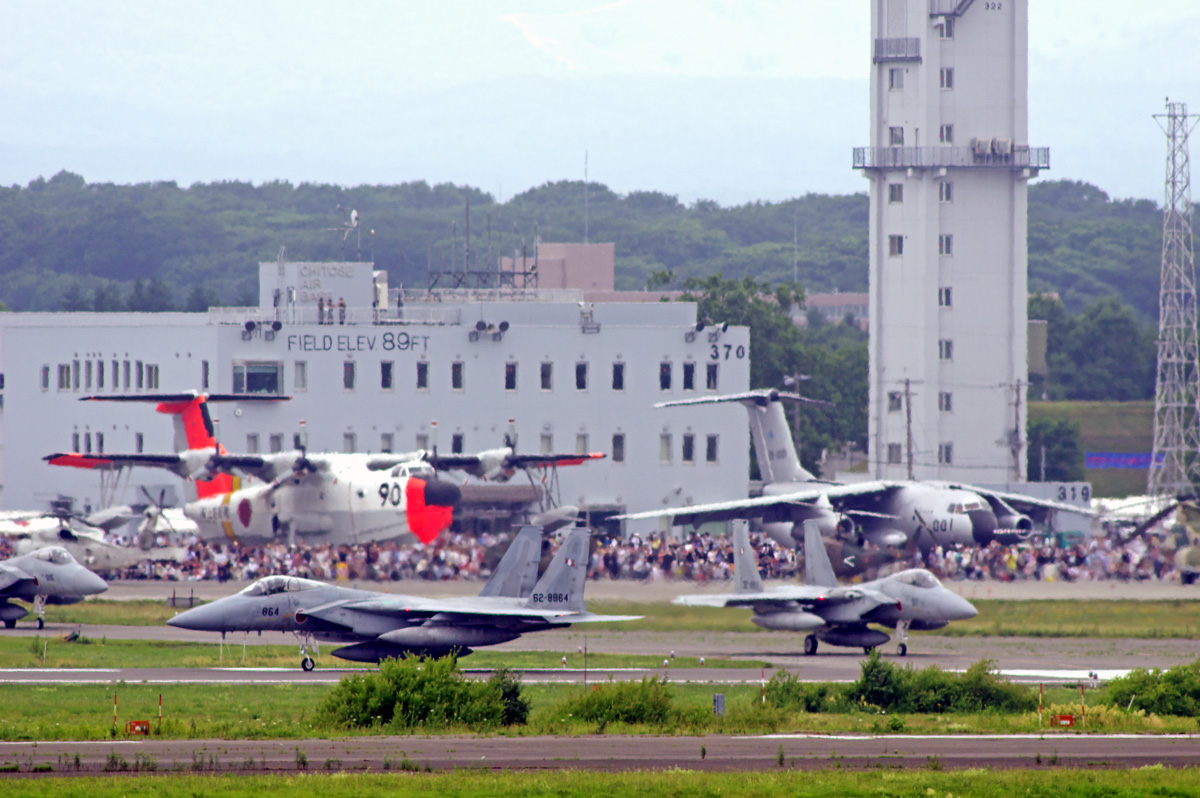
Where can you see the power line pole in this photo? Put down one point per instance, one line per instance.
(1176, 412)
(908, 443)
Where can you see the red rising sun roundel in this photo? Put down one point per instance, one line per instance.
(244, 512)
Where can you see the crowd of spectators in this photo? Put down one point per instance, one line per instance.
(693, 557)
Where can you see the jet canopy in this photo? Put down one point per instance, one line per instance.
(270, 585)
(54, 554)
(917, 577)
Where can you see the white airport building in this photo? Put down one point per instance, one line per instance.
(948, 165)
(391, 371)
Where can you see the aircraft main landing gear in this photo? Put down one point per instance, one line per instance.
(10, 624)
(39, 609)
(307, 663)
(810, 645)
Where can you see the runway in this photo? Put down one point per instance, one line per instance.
(1054, 750)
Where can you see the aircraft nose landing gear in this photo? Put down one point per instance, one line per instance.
(307, 642)
(307, 663)
(810, 645)
(902, 633)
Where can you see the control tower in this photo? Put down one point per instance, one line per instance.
(949, 164)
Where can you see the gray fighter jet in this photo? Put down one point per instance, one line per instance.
(838, 615)
(46, 576)
(381, 625)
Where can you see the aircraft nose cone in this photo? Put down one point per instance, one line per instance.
(205, 618)
(959, 608)
(439, 493)
(93, 584)
(983, 526)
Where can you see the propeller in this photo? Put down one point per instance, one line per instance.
(154, 512)
(1150, 522)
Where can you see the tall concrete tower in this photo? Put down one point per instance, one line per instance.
(949, 163)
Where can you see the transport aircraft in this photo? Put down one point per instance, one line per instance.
(81, 535)
(383, 625)
(46, 576)
(880, 512)
(838, 615)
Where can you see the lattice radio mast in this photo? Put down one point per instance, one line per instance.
(1177, 388)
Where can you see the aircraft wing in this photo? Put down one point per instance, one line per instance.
(498, 462)
(171, 462)
(778, 507)
(1027, 504)
(411, 607)
(801, 594)
(752, 396)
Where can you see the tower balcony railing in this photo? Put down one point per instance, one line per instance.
(899, 49)
(997, 154)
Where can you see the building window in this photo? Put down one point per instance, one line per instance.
(895, 245)
(127, 369)
(45, 378)
(945, 349)
(945, 401)
(618, 447)
(945, 244)
(547, 376)
(422, 375)
(87, 375)
(141, 375)
(618, 382)
(87, 443)
(893, 456)
(422, 441)
(510, 376)
(896, 78)
(252, 443)
(710, 376)
(547, 442)
(99, 374)
(945, 453)
(895, 401)
(944, 297)
(385, 375)
(275, 442)
(664, 376)
(116, 376)
(710, 449)
(581, 443)
(946, 78)
(456, 443)
(100, 442)
(946, 134)
(387, 442)
(456, 375)
(946, 28)
(581, 376)
(298, 441)
(139, 443)
(689, 449)
(348, 375)
(75, 375)
(664, 448)
(945, 192)
(152, 376)
(689, 376)
(257, 376)
(203, 374)
(300, 375)
(895, 192)
(896, 136)
(64, 377)
(75, 441)
(349, 443)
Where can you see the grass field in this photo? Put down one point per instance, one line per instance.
(1107, 427)
(830, 782)
(249, 711)
(1041, 618)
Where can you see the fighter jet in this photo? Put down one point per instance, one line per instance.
(882, 512)
(383, 625)
(840, 616)
(47, 576)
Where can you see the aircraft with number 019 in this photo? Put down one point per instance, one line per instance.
(880, 512)
(838, 615)
(46, 576)
(383, 625)
(317, 498)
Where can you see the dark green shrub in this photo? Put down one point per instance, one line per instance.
(785, 691)
(880, 683)
(933, 690)
(1175, 691)
(409, 693)
(982, 688)
(647, 701)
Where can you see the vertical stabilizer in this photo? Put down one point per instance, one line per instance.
(818, 570)
(194, 430)
(516, 573)
(746, 576)
(773, 445)
(561, 587)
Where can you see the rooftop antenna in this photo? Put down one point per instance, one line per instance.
(585, 196)
(346, 229)
(1177, 387)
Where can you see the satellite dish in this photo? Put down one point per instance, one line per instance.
(354, 218)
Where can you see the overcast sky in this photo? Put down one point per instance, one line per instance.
(732, 100)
